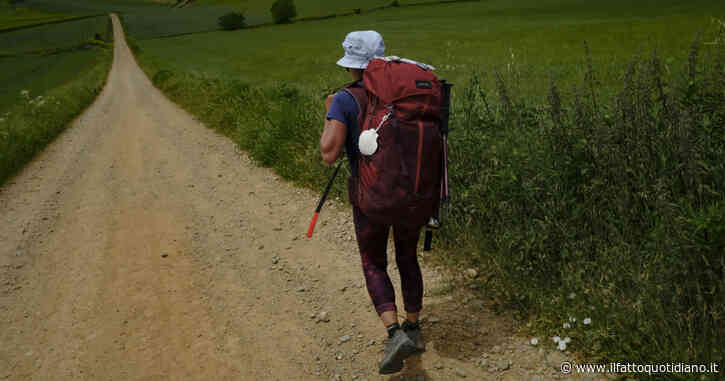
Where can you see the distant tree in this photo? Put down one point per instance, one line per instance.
(283, 11)
(232, 21)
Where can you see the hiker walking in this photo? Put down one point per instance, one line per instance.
(382, 135)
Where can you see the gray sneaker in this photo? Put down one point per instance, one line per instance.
(415, 335)
(397, 349)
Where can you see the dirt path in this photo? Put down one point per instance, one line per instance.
(143, 246)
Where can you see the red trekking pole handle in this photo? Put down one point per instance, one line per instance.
(322, 202)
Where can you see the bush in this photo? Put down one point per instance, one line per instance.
(395, 3)
(232, 21)
(283, 11)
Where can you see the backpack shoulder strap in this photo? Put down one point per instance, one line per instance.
(360, 95)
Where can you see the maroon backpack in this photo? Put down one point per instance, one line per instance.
(400, 182)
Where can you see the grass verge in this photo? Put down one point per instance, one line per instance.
(28, 126)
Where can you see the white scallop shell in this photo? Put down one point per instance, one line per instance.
(368, 142)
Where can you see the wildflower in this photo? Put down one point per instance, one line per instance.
(572, 319)
(566, 340)
(587, 321)
(562, 345)
(566, 325)
(556, 339)
(572, 295)
(25, 93)
(534, 341)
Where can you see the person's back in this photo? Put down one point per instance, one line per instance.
(344, 113)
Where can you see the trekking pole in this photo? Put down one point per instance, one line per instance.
(444, 195)
(445, 114)
(322, 201)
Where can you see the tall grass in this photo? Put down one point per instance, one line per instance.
(616, 200)
(582, 203)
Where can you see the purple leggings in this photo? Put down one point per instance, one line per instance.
(372, 240)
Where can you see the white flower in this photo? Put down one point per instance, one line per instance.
(562, 345)
(534, 341)
(567, 340)
(556, 339)
(572, 295)
(566, 325)
(587, 321)
(572, 319)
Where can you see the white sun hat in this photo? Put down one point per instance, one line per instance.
(360, 47)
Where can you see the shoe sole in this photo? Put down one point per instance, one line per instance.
(402, 352)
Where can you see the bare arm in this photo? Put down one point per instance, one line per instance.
(333, 137)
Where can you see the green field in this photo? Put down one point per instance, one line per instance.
(43, 57)
(161, 21)
(544, 36)
(23, 17)
(52, 37)
(305, 8)
(101, 6)
(53, 62)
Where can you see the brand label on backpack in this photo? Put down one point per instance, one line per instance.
(423, 84)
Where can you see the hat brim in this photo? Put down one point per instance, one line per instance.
(352, 63)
